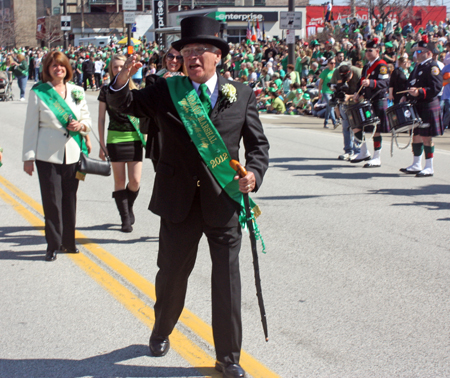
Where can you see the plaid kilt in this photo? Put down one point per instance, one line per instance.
(430, 112)
(379, 108)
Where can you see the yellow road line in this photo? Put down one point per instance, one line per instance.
(189, 319)
(193, 354)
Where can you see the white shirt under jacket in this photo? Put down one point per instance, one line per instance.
(45, 138)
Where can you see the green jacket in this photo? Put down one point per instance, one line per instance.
(21, 69)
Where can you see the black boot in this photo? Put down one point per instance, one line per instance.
(122, 204)
(131, 198)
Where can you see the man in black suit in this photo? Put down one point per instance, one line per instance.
(187, 194)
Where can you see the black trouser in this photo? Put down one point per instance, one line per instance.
(59, 199)
(98, 79)
(178, 244)
(87, 77)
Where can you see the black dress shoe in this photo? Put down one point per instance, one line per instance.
(159, 345)
(65, 250)
(50, 256)
(230, 370)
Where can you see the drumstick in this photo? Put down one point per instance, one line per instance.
(360, 89)
(407, 91)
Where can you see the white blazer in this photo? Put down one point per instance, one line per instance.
(44, 136)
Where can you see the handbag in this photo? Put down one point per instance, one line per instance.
(94, 166)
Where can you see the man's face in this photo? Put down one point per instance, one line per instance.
(339, 57)
(372, 54)
(200, 66)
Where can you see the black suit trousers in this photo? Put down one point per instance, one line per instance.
(176, 258)
(59, 200)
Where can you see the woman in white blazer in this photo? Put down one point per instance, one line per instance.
(48, 144)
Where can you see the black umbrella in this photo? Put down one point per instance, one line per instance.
(242, 172)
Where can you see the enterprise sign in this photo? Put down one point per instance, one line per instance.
(244, 17)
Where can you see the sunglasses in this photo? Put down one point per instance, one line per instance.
(173, 57)
(369, 50)
(419, 51)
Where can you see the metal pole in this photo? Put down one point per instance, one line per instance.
(129, 26)
(291, 46)
(66, 35)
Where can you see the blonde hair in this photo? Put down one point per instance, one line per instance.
(122, 58)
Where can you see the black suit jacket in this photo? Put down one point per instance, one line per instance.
(180, 166)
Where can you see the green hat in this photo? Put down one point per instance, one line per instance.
(388, 44)
(272, 89)
(356, 31)
(299, 90)
(306, 96)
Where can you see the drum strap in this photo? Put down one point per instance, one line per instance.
(372, 68)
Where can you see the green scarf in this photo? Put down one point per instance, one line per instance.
(209, 144)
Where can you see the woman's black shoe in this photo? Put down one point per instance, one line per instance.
(50, 256)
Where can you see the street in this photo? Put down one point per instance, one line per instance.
(355, 277)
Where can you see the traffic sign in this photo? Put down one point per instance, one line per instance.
(129, 17)
(290, 20)
(129, 5)
(66, 22)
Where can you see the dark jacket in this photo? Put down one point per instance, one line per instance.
(428, 77)
(88, 67)
(399, 83)
(180, 168)
(379, 81)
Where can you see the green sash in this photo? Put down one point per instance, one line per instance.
(209, 144)
(60, 109)
(135, 122)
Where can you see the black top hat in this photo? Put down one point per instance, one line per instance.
(201, 30)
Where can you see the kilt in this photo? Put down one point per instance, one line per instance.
(379, 108)
(430, 112)
(125, 151)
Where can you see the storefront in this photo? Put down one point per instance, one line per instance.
(238, 18)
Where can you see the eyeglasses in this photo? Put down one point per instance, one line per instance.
(196, 51)
(369, 50)
(173, 57)
(331, 62)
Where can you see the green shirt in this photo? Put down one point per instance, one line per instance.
(326, 76)
(278, 105)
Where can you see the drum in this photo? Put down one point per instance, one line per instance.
(403, 117)
(361, 115)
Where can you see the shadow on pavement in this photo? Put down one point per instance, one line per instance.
(428, 205)
(142, 239)
(370, 174)
(284, 198)
(293, 159)
(424, 190)
(105, 365)
(15, 236)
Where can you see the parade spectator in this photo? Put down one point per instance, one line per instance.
(399, 80)
(124, 145)
(20, 71)
(88, 73)
(99, 65)
(277, 105)
(48, 144)
(325, 92)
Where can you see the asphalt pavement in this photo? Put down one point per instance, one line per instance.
(355, 278)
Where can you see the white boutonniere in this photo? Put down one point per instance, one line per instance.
(229, 92)
(77, 94)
